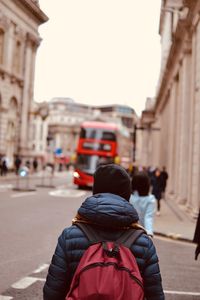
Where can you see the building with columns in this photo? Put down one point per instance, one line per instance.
(176, 108)
(19, 40)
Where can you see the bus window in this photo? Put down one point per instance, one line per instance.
(99, 134)
(88, 133)
(109, 136)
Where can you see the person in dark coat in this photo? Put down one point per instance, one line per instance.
(157, 188)
(196, 238)
(164, 177)
(4, 167)
(108, 210)
(17, 164)
(35, 164)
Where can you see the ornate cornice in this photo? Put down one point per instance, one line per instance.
(33, 40)
(12, 77)
(34, 9)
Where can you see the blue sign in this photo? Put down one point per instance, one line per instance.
(58, 151)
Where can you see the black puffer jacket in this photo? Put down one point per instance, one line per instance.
(110, 211)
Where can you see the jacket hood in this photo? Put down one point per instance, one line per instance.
(108, 210)
(135, 196)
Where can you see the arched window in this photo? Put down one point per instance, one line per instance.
(1, 45)
(13, 107)
(11, 131)
(13, 103)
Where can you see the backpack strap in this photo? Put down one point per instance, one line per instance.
(90, 233)
(130, 236)
(127, 238)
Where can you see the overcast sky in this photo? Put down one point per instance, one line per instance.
(99, 51)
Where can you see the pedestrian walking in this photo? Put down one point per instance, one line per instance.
(35, 164)
(4, 167)
(1, 162)
(143, 201)
(164, 176)
(196, 238)
(28, 164)
(157, 188)
(17, 164)
(109, 213)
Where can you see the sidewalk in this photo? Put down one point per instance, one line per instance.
(174, 222)
(57, 174)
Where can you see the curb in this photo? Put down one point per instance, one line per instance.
(173, 236)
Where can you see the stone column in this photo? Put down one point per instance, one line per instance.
(177, 134)
(27, 95)
(195, 185)
(9, 43)
(172, 131)
(184, 121)
(191, 123)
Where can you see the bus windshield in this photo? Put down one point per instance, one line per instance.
(89, 163)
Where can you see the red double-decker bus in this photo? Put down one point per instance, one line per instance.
(100, 143)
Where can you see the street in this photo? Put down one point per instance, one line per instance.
(30, 222)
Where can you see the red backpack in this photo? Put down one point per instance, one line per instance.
(107, 270)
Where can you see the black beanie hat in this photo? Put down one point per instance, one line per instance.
(112, 179)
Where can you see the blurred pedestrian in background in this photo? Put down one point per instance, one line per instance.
(17, 164)
(143, 201)
(35, 164)
(157, 188)
(1, 162)
(164, 177)
(28, 164)
(150, 172)
(4, 166)
(196, 238)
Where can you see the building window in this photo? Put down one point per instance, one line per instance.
(17, 58)
(13, 105)
(41, 131)
(1, 45)
(11, 131)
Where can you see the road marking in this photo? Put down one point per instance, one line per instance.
(60, 187)
(5, 187)
(22, 194)
(5, 297)
(67, 193)
(182, 293)
(41, 268)
(26, 282)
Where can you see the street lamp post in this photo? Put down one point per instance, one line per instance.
(44, 112)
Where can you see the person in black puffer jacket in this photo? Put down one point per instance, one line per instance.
(109, 211)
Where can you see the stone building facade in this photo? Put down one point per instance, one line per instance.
(176, 109)
(19, 40)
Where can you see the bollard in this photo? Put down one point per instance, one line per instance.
(23, 173)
